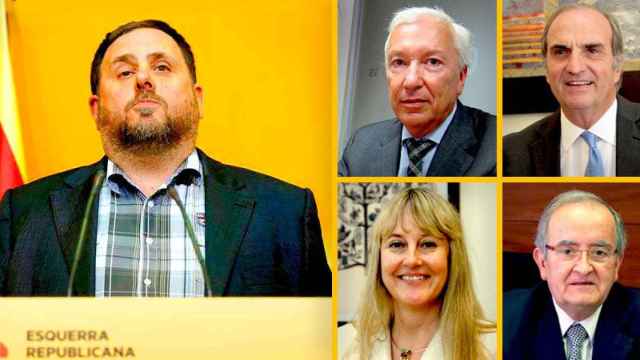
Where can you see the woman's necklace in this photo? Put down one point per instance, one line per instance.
(405, 354)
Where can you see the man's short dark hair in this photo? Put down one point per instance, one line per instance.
(128, 27)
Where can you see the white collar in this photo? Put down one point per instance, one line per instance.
(438, 133)
(589, 323)
(604, 128)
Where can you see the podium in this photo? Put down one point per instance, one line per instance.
(161, 328)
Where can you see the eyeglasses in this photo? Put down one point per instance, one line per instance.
(598, 254)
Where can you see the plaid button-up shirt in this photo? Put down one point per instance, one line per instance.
(143, 248)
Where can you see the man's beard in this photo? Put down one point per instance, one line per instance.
(149, 136)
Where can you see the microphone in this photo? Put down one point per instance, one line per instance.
(192, 235)
(97, 183)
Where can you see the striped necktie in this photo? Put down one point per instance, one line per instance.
(417, 149)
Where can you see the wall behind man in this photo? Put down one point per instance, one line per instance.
(265, 70)
(370, 101)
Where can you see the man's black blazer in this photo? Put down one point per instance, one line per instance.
(532, 330)
(535, 150)
(262, 235)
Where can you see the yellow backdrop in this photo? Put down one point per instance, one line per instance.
(266, 70)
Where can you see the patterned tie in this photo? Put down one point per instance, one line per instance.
(594, 167)
(417, 149)
(576, 335)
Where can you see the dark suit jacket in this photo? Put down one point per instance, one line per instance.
(535, 151)
(262, 235)
(468, 148)
(532, 330)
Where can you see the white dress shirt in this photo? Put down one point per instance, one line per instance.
(574, 150)
(589, 324)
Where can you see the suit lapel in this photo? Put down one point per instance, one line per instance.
(389, 160)
(627, 138)
(548, 342)
(228, 212)
(68, 206)
(452, 155)
(612, 340)
(545, 151)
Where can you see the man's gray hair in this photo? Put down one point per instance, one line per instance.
(576, 197)
(461, 36)
(617, 41)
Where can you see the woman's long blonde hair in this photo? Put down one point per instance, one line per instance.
(461, 318)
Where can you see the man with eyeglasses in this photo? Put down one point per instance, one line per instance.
(580, 313)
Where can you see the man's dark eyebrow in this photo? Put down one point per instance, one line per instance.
(127, 58)
(130, 59)
(593, 46)
(601, 243)
(160, 55)
(566, 243)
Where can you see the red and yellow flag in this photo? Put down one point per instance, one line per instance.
(12, 165)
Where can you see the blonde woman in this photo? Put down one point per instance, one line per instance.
(418, 301)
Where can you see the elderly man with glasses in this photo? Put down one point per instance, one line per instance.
(580, 313)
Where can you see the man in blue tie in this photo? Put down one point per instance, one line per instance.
(580, 312)
(595, 132)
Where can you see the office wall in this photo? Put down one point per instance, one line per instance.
(516, 122)
(478, 208)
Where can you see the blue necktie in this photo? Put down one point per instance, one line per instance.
(594, 166)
